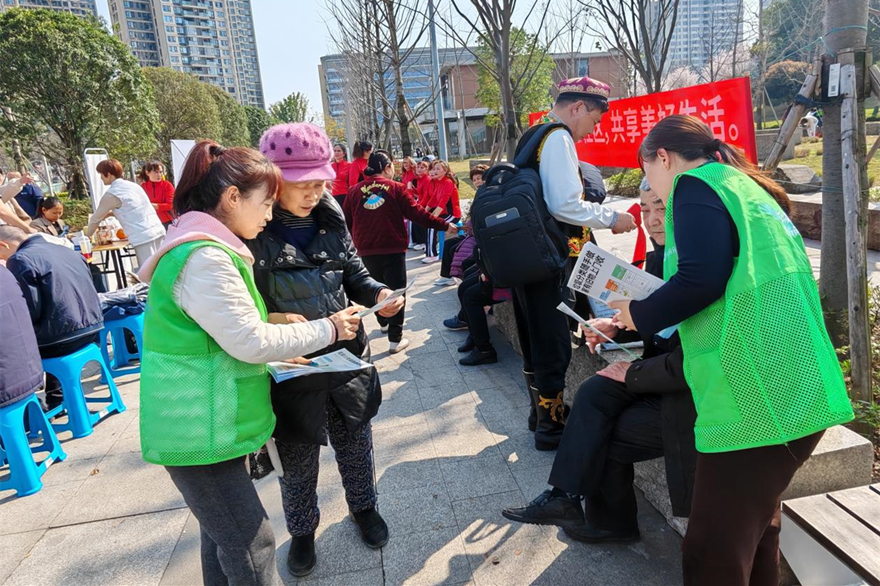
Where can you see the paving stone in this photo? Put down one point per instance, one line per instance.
(406, 439)
(185, 565)
(106, 432)
(441, 394)
(462, 441)
(125, 551)
(14, 548)
(339, 550)
(420, 509)
(501, 398)
(405, 408)
(407, 471)
(397, 389)
(532, 481)
(484, 529)
(69, 470)
(507, 422)
(124, 485)
(37, 511)
(372, 577)
(430, 557)
(519, 452)
(456, 412)
(477, 476)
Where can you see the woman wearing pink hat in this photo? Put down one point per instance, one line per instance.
(306, 267)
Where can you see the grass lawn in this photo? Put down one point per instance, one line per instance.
(462, 170)
(810, 154)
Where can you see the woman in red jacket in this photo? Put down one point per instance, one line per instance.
(442, 201)
(341, 167)
(375, 210)
(360, 155)
(159, 190)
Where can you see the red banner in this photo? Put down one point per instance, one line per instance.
(726, 106)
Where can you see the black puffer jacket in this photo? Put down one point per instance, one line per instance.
(21, 372)
(315, 283)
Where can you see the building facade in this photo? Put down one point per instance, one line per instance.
(214, 40)
(703, 30)
(78, 7)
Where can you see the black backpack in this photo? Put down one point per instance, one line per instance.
(519, 241)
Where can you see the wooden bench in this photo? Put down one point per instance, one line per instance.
(834, 539)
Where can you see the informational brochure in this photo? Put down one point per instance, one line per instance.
(394, 295)
(571, 313)
(605, 277)
(339, 361)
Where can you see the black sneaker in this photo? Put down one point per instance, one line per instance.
(374, 530)
(562, 511)
(301, 557)
(467, 346)
(587, 534)
(478, 356)
(454, 323)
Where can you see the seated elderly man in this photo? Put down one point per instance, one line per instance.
(61, 298)
(625, 413)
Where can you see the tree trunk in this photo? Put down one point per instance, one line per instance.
(508, 117)
(840, 15)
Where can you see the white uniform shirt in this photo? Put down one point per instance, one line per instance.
(561, 182)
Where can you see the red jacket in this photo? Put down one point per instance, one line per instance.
(340, 184)
(442, 193)
(161, 193)
(375, 210)
(356, 171)
(408, 176)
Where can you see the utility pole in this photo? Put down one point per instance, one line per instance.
(439, 118)
(349, 127)
(845, 27)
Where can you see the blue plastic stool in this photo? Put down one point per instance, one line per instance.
(24, 472)
(119, 364)
(68, 369)
(441, 238)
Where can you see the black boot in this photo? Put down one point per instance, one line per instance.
(374, 530)
(533, 393)
(550, 409)
(301, 557)
(477, 357)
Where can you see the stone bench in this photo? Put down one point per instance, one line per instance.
(842, 459)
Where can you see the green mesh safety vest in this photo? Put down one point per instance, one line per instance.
(199, 405)
(759, 362)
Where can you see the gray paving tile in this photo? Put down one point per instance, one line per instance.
(185, 565)
(456, 412)
(14, 548)
(447, 390)
(416, 510)
(404, 408)
(405, 471)
(519, 452)
(484, 529)
(372, 577)
(501, 398)
(69, 470)
(131, 550)
(106, 432)
(462, 441)
(507, 422)
(406, 439)
(396, 389)
(431, 557)
(532, 481)
(339, 550)
(491, 376)
(123, 485)
(22, 514)
(477, 476)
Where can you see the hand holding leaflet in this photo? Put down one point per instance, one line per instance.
(339, 361)
(388, 300)
(606, 278)
(570, 313)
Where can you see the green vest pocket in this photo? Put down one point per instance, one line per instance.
(713, 397)
(254, 415)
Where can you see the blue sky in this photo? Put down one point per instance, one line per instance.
(291, 37)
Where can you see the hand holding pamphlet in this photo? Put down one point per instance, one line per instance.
(387, 301)
(571, 313)
(339, 361)
(604, 277)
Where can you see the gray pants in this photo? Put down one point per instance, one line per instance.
(238, 546)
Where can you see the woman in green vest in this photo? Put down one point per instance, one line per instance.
(207, 337)
(765, 378)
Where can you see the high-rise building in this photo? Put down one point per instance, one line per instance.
(704, 29)
(211, 39)
(78, 7)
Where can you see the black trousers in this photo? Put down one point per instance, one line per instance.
(543, 332)
(475, 297)
(607, 431)
(449, 248)
(54, 395)
(391, 270)
(418, 234)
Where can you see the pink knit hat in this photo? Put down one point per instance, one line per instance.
(301, 150)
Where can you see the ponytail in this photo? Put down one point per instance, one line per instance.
(212, 169)
(378, 162)
(692, 139)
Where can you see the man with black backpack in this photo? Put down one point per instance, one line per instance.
(523, 218)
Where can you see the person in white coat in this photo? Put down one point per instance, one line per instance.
(131, 206)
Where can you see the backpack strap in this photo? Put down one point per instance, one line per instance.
(531, 147)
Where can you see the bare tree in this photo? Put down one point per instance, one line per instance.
(641, 30)
(570, 20)
(493, 24)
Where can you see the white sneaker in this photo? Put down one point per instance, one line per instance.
(419, 247)
(384, 329)
(429, 260)
(396, 347)
(411, 246)
(445, 282)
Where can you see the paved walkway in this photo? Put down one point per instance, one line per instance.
(452, 450)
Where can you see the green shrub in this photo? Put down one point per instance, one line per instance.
(625, 183)
(76, 211)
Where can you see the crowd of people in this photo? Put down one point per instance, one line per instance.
(271, 255)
